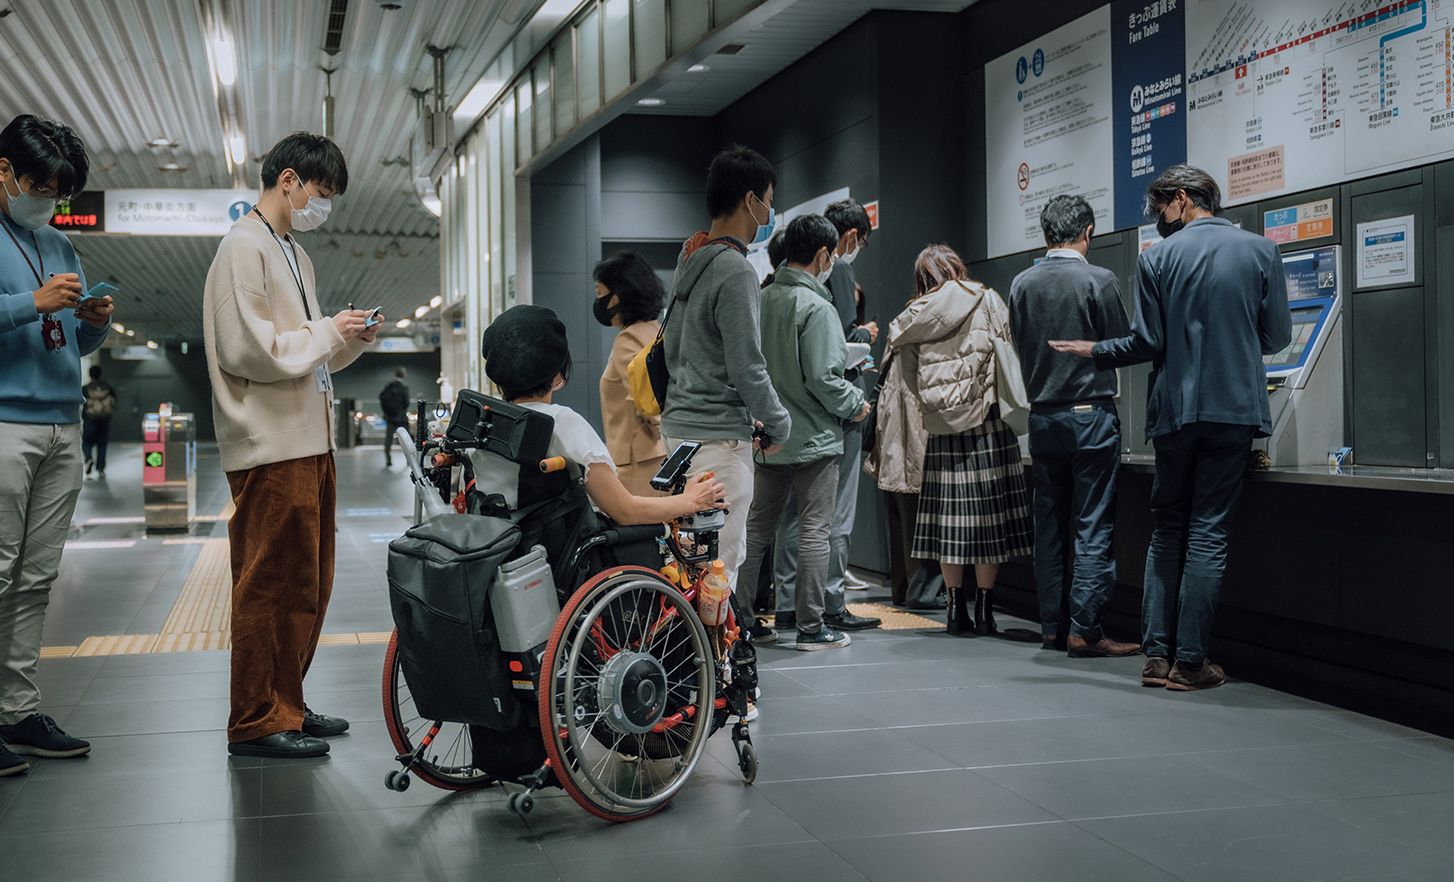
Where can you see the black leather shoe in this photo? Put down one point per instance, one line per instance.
(291, 744)
(847, 621)
(319, 726)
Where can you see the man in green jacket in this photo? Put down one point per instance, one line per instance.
(802, 343)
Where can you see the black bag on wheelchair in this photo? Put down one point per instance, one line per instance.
(440, 574)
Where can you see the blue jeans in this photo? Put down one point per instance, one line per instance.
(1199, 471)
(1077, 455)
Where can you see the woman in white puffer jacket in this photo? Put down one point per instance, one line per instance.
(974, 507)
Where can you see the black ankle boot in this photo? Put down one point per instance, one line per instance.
(984, 612)
(959, 621)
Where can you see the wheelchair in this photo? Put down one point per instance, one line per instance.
(616, 705)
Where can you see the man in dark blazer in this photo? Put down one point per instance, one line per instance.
(1211, 300)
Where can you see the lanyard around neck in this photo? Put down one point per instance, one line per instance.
(297, 271)
(40, 275)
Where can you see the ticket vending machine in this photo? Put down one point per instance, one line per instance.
(1305, 380)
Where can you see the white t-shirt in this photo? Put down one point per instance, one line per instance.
(573, 439)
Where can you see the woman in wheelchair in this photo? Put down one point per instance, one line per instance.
(527, 355)
(629, 683)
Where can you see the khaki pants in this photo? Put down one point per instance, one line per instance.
(731, 463)
(282, 541)
(40, 478)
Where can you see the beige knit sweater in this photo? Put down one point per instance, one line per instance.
(262, 350)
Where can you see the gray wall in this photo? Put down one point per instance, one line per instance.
(851, 113)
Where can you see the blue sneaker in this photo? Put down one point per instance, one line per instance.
(10, 764)
(38, 735)
(826, 638)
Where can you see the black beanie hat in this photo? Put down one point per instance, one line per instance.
(524, 348)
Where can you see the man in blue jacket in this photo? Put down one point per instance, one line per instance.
(1211, 300)
(44, 331)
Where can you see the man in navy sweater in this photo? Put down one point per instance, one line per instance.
(1211, 300)
(44, 331)
(1075, 432)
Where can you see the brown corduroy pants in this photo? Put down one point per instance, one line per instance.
(282, 540)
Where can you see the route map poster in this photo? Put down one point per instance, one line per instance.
(1295, 94)
(1048, 130)
(1269, 96)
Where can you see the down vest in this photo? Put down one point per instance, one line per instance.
(945, 341)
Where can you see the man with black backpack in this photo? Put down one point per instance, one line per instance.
(96, 418)
(394, 401)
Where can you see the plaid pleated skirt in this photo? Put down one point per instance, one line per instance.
(974, 506)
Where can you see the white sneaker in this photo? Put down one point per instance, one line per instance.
(751, 712)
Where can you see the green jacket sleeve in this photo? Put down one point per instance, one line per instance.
(822, 354)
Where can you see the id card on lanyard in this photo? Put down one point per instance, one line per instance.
(322, 379)
(52, 332)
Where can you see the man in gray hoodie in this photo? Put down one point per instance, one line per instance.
(719, 389)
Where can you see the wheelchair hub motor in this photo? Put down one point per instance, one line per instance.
(633, 693)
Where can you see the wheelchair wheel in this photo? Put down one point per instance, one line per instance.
(627, 693)
(448, 761)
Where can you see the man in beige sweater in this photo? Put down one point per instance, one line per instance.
(270, 354)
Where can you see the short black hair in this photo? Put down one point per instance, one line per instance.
(777, 248)
(638, 289)
(847, 214)
(806, 234)
(1200, 188)
(44, 149)
(400, 372)
(734, 171)
(1064, 218)
(314, 158)
(95, 371)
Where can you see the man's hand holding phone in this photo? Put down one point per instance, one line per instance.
(60, 291)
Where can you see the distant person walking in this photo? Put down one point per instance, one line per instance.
(1211, 300)
(629, 297)
(1075, 431)
(96, 413)
(271, 355)
(43, 336)
(394, 402)
(974, 509)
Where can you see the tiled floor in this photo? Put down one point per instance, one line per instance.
(910, 755)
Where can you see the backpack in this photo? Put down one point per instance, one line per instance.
(100, 401)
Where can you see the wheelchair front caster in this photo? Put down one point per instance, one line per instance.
(397, 780)
(747, 762)
(520, 803)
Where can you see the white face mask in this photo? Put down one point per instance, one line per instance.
(31, 212)
(312, 215)
(827, 271)
(849, 257)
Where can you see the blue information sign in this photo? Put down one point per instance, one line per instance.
(1148, 106)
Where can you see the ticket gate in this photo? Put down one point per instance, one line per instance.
(1305, 379)
(169, 471)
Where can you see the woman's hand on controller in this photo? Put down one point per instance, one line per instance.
(705, 495)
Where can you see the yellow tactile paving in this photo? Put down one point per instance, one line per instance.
(894, 619)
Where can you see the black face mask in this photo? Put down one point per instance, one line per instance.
(604, 313)
(1165, 228)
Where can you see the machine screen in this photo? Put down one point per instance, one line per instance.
(1304, 326)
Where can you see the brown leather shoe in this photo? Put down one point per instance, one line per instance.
(1077, 647)
(1154, 672)
(1185, 678)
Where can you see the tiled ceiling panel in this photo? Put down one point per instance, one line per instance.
(125, 72)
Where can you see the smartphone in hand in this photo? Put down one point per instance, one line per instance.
(374, 317)
(98, 293)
